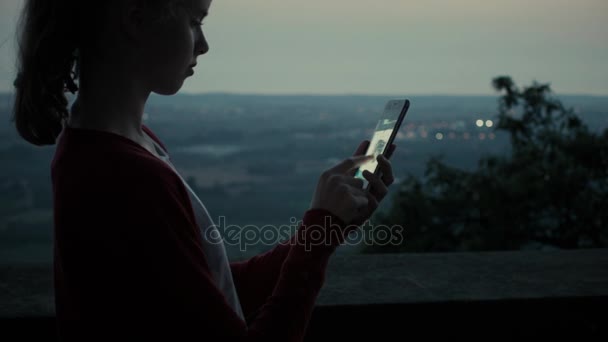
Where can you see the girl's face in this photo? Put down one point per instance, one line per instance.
(170, 47)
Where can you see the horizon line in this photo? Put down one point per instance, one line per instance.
(370, 94)
(305, 94)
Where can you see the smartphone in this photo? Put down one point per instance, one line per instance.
(386, 130)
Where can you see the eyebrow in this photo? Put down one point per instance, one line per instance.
(190, 7)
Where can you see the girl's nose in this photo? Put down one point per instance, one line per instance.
(202, 47)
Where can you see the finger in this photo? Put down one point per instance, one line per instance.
(387, 170)
(372, 203)
(363, 146)
(376, 186)
(354, 182)
(351, 163)
(348, 189)
(361, 200)
(366, 212)
(357, 192)
(390, 151)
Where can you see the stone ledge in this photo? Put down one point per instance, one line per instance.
(376, 279)
(445, 277)
(554, 294)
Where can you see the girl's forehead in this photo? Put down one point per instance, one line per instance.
(199, 7)
(196, 4)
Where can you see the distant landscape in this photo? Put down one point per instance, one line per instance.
(256, 159)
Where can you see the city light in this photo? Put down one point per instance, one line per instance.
(489, 123)
(479, 123)
(439, 136)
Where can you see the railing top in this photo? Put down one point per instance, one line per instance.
(446, 277)
(27, 290)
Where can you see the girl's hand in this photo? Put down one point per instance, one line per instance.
(339, 192)
(378, 184)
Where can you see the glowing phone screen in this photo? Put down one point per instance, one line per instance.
(384, 134)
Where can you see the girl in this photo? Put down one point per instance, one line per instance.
(133, 257)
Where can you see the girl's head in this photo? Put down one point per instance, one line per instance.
(154, 42)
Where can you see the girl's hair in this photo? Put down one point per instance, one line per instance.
(50, 35)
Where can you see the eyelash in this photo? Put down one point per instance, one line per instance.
(199, 23)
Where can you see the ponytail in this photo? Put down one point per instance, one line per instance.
(47, 52)
(50, 35)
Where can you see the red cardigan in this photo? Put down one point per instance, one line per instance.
(128, 262)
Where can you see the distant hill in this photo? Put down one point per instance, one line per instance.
(433, 107)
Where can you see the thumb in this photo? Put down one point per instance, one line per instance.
(362, 148)
(359, 152)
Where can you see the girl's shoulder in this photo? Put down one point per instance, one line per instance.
(89, 156)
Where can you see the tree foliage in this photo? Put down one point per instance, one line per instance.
(551, 191)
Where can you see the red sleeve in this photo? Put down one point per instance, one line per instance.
(131, 264)
(256, 278)
(285, 314)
